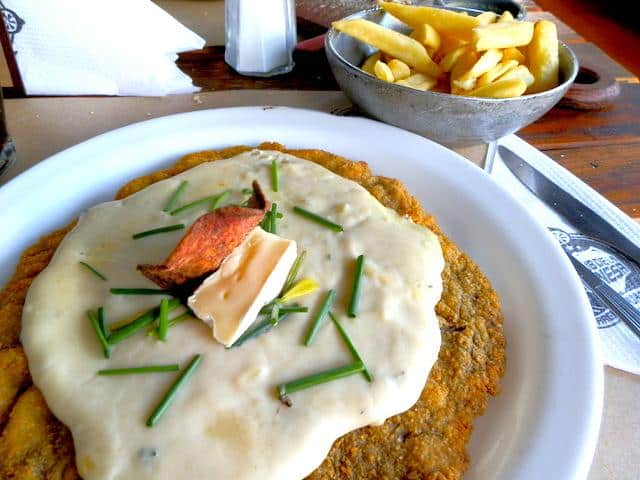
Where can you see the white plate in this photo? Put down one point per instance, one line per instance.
(548, 414)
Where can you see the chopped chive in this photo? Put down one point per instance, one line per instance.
(171, 323)
(213, 200)
(193, 204)
(275, 314)
(354, 301)
(275, 176)
(319, 318)
(139, 323)
(352, 348)
(285, 389)
(93, 270)
(176, 195)
(293, 273)
(246, 191)
(163, 320)
(93, 319)
(284, 309)
(139, 291)
(272, 218)
(265, 224)
(173, 391)
(155, 231)
(217, 201)
(258, 329)
(279, 215)
(101, 324)
(138, 370)
(314, 217)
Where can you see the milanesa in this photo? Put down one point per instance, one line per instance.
(228, 423)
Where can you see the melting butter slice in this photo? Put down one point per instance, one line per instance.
(230, 299)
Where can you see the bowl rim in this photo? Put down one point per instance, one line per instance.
(332, 33)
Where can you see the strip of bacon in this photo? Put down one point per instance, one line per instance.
(210, 239)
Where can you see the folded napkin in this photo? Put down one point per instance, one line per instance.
(620, 346)
(80, 47)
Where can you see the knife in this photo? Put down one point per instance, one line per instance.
(586, 220)
(608, 296)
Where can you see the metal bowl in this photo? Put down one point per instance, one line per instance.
(449, 119)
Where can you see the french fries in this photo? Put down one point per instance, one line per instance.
(444, 21)
(505, 17)
(501, 68)
(399, 69)
(370, 62)
(427, 36)
(400, 46)
(501, 89)
(543, 56)
(489, 55)
(383, 72)
(502, 35)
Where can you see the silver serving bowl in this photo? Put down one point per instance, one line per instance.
(449, 119)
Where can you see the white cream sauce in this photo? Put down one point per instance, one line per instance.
(227, 423)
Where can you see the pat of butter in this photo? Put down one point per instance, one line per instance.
(230, 299)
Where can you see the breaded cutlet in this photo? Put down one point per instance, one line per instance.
(427, 442)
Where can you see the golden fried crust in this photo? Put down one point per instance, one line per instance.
(427, 442)
(13, 379)
(34, 444)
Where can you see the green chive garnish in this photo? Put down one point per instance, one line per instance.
(266, 310)
(163, 320)
(273, 217)
(139, 370)
(173, 391)
(352, 348)
(275, 314)
(275, 176)
(93, 270)
(139, 291)
(176, 195)
(258, 329)
(293, 273)
(171, 323)
(155, 231)
(101, 324)
(319, 318)
(247, 191)
(318, 219)
(95, 323)
(219, 199)
(213, 200)
(354, 301)
(285, 389)
(139, 323)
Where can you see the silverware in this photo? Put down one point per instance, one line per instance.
(588, 222)
(582, 217)
(609, 297)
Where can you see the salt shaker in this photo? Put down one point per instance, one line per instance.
(261, 36)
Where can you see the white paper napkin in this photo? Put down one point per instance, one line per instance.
(620, 346)
(98, 47)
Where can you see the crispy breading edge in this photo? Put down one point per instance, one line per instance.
(426, 442)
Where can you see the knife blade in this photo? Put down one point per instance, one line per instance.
(582, 217)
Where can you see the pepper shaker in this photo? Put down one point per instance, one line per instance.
(260, 36)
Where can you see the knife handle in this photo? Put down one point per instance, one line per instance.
(626, 312)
